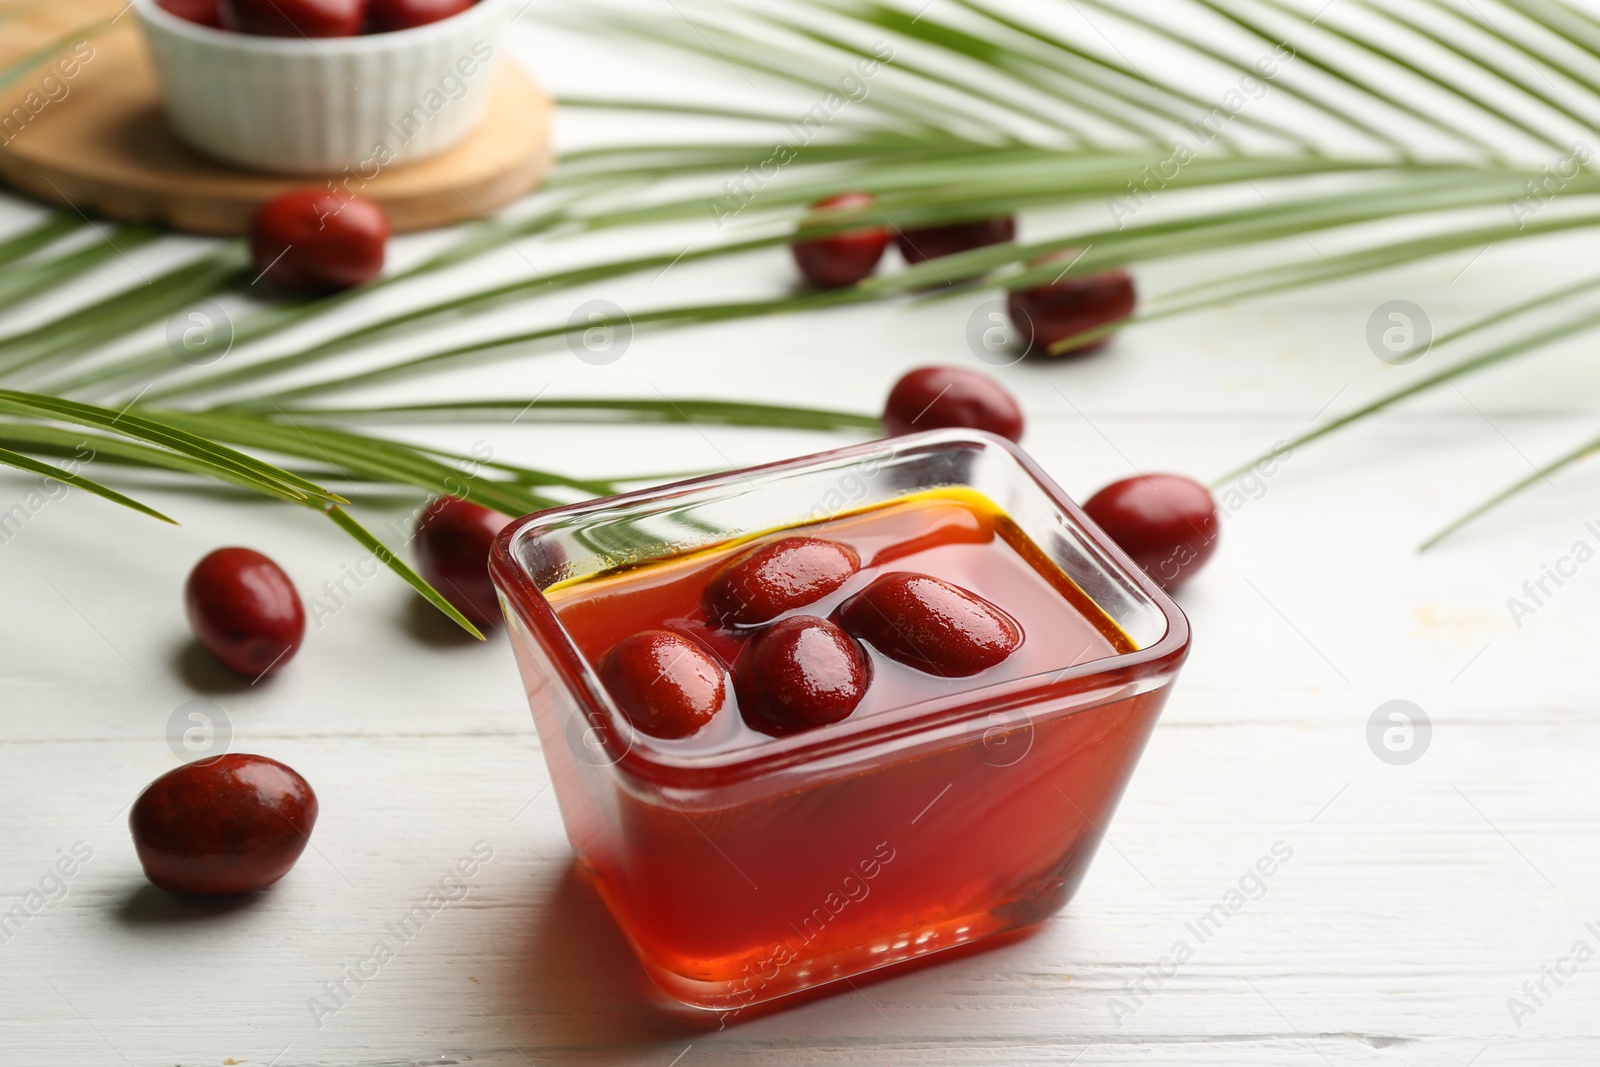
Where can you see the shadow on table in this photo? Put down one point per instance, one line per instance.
(149, 905)
(429, 626)
(202, 673)
(585, 993)
(421, 621)
(588, 989)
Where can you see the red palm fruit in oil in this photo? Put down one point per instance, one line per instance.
(1166, 522)
(930, 624)
(667, 684)
(453, 540)
(244, 610)
(313, 241)
(937, 398)
(801, 673)
(843, 258)
(229, 824)
(777, 577)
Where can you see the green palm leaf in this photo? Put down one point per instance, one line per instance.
(33, 466)
(365, 539)
(605, 409)
(1423, 110)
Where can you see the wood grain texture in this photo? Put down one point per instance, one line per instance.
(104, 146)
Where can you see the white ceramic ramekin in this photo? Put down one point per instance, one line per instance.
(303, 106)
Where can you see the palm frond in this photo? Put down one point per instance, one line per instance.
(607, 409)
(33, 466)
(364, 537)
(1422, 110)
(152, 429)
(1524, 344)
(45, 232)
(154, 300)
(1540, 474)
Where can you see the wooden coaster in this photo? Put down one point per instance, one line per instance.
(104, 146)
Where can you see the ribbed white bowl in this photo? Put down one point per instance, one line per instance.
(301, 106)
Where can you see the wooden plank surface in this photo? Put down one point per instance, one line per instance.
(1416, 903)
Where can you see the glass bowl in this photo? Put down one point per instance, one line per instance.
(741, 876)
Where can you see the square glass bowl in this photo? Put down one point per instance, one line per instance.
(741, 876)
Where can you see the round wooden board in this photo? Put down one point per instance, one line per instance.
(105, 147)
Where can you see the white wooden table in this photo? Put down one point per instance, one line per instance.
(1418, 900)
